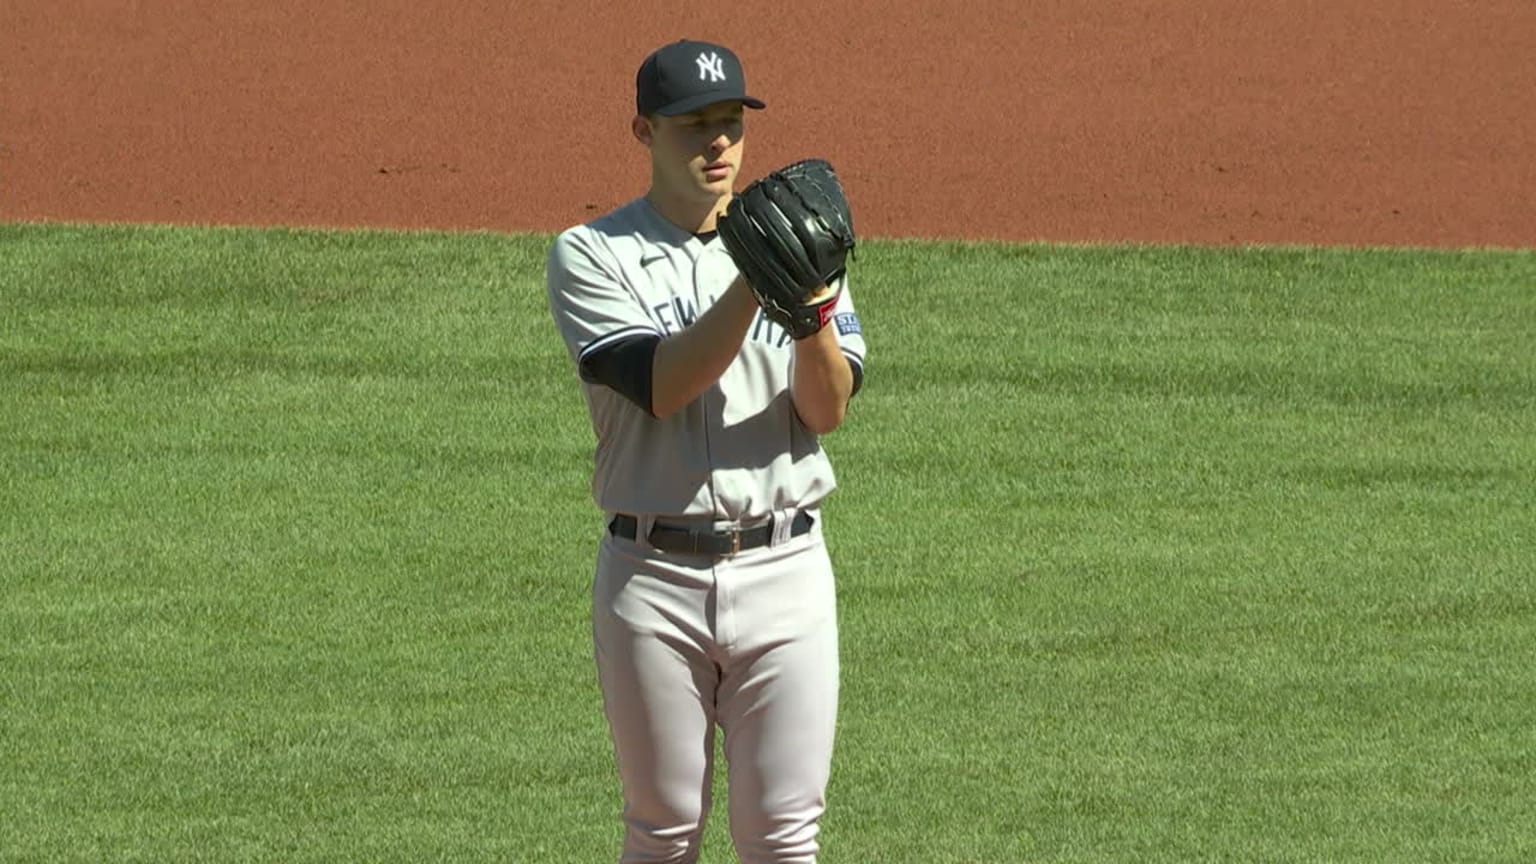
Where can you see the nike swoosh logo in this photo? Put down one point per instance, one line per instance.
(646, 262)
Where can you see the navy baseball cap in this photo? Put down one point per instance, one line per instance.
(688, 75)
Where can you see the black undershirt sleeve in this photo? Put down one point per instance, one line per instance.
(625, 368)
(858, 374)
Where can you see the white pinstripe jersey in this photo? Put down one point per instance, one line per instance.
(738, 451)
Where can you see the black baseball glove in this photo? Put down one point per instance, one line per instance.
(790, 234)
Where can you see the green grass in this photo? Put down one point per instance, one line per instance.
(1145, 555)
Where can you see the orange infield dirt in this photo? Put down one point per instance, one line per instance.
(1342, 122)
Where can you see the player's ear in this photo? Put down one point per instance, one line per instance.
(641, 126)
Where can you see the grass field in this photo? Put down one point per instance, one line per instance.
(1145, 555)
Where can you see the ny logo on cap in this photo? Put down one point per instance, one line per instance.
(711, 67)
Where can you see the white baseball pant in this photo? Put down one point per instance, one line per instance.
(749, 643)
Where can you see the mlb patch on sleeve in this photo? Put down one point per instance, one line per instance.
(847, 323)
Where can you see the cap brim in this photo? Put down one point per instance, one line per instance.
(704, 100)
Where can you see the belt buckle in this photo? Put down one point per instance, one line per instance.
(735, 541)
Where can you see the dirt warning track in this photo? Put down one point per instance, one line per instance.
(1207, 121)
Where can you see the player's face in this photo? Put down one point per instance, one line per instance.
(697, 154)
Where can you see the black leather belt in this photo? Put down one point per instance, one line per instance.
(705, 541)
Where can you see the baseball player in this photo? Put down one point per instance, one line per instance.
(713, 602)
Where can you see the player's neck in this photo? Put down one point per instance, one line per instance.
(692, 215)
